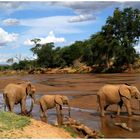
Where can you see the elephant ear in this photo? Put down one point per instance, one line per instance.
(28, 88)
(58, 100)
(125, 91)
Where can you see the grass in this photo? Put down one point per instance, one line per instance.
(11, 121)
(71, 131)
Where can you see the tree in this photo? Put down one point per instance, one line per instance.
(87, 56)
(125, 28)
(103, 48)
(72, 52)
(10, 60)
(37, 45)
(44, 54)
(36, 40)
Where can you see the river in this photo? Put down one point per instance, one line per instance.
(81, 90)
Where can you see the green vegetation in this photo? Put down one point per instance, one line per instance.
(10, 121)
(71, 131)
(109, 50)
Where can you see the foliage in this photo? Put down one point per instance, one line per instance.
(47, 56)
(87, 56)
(9, 121)
(72, 52)
(23, 65)
(125, 28)
(10, 60)
(108, 49)
(71, 131)
(115, 42)
(4, 67)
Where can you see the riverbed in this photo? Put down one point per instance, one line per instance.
(81, 90)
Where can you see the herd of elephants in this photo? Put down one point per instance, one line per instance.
(108, 94)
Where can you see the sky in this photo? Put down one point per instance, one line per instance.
(61, 22)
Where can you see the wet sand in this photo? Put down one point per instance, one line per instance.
(82, 89)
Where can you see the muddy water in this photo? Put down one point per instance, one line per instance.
(81, 90)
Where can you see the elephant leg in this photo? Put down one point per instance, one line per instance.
(119, 107)
(128, 106)
(105, 108)
(118, 110)
(11, 106)
(5, 102)
(43, 116)
(7, 105)
(59, 114)
(101, 104)
(23, 107)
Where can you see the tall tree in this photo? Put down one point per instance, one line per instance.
(44, 54)
(125, 27)
(72, 52)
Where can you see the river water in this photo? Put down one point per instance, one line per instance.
(81, 90)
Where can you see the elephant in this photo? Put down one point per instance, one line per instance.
(14, 94)
(117, 94)
(50, 101)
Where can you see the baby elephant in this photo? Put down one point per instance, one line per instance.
(50, 101)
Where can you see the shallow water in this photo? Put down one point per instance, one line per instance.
(80, 85)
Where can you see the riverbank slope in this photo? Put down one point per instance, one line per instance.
(16, 126)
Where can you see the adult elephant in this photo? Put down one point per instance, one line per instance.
(50, 101)
(17, 93)
(117, 94)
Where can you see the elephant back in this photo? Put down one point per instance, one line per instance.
(48, 101)
(109, 93)
(13, 89)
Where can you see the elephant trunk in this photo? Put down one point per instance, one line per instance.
(32, 104)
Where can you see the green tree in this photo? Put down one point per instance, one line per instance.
(44, 54)
(87, 56)
(125, 28)
(72, 52)
(23, 65)
(58, 61)
(103, 48)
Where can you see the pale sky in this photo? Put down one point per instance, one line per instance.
(60, 22)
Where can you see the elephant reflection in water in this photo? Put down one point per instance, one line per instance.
(117, 94)
(50, 101)
(110, 130)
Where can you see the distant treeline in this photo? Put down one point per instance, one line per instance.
(112, 47)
